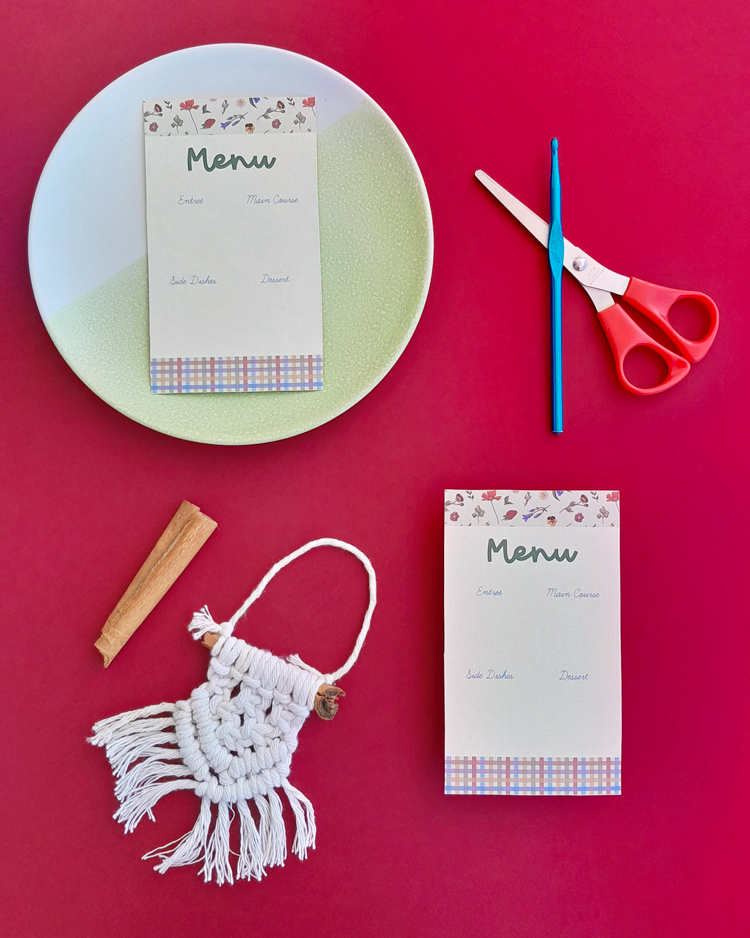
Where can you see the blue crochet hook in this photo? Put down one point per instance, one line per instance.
(556, 250)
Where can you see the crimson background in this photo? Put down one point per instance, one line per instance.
(649, 99)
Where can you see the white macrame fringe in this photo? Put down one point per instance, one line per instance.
(262, 845)
(139, 745)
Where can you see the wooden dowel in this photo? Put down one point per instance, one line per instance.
(184, 536)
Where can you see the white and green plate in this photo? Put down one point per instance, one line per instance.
(87, 244)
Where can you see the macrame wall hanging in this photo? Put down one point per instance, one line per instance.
(231, 743)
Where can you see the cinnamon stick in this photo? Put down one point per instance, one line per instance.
(184, 536)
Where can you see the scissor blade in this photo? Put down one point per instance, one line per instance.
(530, 220)
(593, 275)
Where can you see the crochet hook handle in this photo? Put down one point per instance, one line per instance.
(556, 252)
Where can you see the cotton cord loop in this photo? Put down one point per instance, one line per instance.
(231, 743)
(202, 621)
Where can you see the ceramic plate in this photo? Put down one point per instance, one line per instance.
(87, 244)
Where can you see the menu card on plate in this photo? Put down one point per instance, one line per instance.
(233, 244)
(532, 643)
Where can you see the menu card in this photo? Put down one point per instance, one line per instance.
(532, 643)
(233, 244)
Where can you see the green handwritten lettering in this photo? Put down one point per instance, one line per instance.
(193, 157)
(524, 553)
(221, 161)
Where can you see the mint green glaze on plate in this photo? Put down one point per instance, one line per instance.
(376, 255)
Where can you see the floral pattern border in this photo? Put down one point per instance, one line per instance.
(228, 114)
(518, 508)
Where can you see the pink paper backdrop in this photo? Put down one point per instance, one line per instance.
(650, 102)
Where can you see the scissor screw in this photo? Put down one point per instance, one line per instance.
(579, 263)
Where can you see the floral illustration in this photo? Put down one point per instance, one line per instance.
(535, 513)
(492, 497)
(158, 110)
(530, 509)
(581, 501)
(229, 115)
(190, 106)
(232, 121)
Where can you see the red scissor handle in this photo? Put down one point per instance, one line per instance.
(624, 335)
(655, 302)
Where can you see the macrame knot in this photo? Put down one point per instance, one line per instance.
(231, 743)
(203, 624)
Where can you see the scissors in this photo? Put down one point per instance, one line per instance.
(622, 332)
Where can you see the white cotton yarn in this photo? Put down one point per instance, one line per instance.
(231, 743)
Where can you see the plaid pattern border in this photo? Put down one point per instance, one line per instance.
(249, 373)
(516, 775)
